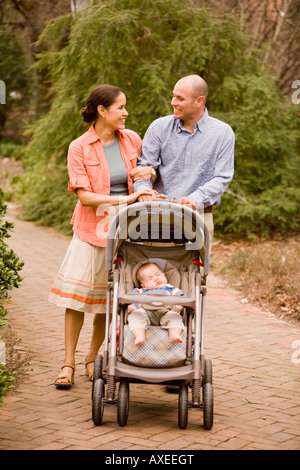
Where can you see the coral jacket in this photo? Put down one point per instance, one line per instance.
(88, 169)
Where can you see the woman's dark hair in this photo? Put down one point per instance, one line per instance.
(104, 95)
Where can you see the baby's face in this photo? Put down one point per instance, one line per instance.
(152, 277)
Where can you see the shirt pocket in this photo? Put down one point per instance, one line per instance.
(132, 157)
(92, 168)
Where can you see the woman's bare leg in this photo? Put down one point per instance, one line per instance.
(73, 325)
(96, 341)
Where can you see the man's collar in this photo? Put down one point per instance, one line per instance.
(203, 121)
(199, 124)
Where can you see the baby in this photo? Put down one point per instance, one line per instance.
(154, 281)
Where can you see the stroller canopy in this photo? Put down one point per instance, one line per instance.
(162, 222)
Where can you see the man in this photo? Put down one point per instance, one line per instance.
(192, 152)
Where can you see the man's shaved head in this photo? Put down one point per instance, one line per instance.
(197, 85)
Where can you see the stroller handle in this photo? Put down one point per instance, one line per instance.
(163, 199)
(174, 201)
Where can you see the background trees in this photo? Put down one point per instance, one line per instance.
(13, 64)
(145, 47)
(21, 23)
(274, 26)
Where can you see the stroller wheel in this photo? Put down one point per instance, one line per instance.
(208, 406)
(98, 402)
(98, 370)
(208, 374)
(183, 406)
(123, 402)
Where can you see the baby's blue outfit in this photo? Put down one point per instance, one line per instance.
(167, 316)
(166, 289)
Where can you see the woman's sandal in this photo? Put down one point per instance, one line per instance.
(89, 360)
(69, 378)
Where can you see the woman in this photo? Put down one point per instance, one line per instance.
(101, 166)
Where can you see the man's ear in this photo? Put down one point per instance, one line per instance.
(200, 101)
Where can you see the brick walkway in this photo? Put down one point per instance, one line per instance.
(256, 380)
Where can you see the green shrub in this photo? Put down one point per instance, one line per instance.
(6, 379)
(53, 205)
(264, 196)
(10, 265)
(11, 149)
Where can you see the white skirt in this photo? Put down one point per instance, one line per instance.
(82, 279)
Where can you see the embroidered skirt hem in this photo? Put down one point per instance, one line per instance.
(82, 279)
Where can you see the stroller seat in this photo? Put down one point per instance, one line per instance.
(157, 350)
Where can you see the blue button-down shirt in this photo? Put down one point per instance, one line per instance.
(199, 165)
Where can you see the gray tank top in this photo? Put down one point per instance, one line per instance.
(117, 168)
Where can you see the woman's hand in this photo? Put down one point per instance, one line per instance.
(151, 196)
(88, 198)
(147, 193)
(141, 173)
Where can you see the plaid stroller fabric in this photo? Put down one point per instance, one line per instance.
(157, 350)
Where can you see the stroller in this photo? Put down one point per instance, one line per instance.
(177, 239)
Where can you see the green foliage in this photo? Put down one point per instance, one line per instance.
(145, 47)
(141, 46)
(264, 196)
(274, 210)
(53, 204)
(6, 379)
(10, 264)
(11, 149)
(9, 279)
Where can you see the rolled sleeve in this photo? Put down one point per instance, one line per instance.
(79, 181)
(142, 184)
(78, 177)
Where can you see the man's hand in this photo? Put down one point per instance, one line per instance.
(187, 201)
(141, 173)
